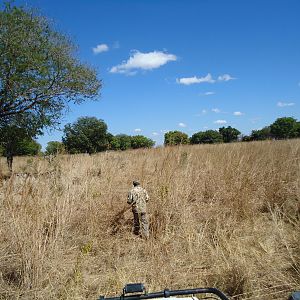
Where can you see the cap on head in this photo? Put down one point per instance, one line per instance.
(135, 183)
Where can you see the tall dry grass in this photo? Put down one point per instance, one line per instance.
(221, 215)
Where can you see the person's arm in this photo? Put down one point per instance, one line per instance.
(129, 198)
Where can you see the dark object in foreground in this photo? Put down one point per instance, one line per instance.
(137, 291)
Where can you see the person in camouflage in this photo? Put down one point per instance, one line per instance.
(137, 198)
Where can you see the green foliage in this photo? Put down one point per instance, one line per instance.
(122, 142)
(206, 137)
(55, 147)
(86, 135)
(39, 69)
(140, 141)
(229, 134)
(15, 140)
(284, 128)
(246, 138)
(28, 147)
(261, 134)
(176, 138)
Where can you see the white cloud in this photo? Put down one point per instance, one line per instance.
(182, 125)
(100, 48)
(220, 122)
(137, 130)
(238, 113)
(283, 104)
(209, 93)
(225, 77)
(192, 80)
(143, 61)
(204, 111)
(155, 133)
(216, 110)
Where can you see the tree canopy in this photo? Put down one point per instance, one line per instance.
(284, 128)
(176, 138)
(229, 134)
(39, 70)
(206, 137)
(55, 147)
(86, 135)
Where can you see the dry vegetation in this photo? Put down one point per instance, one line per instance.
(221, 215)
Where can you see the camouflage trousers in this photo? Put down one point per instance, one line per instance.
(140, 224)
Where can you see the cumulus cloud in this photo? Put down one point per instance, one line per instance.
(209, 93)
(204, 111)
(238, 113)
(137, 130)
(220, 122)
(182, 125)
(225, 77)
(192, 80)
(155, 133)
(100, 48)
(216, 110)
(283, 104)
(143, 61)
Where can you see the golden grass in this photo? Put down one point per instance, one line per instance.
(221, 215)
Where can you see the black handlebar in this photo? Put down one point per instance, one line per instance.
(168, 293)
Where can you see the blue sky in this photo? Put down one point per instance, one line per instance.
(184, 65)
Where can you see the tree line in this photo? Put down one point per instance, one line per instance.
(41, 74)
(281, 128)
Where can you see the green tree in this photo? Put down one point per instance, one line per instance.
(206, 137)
(86, 135)
(40, 75)
(229, 134)
(284, 128)
(55, 147)
(14, 137)
(176, 138)
(297, 129)
(39, 70)
(122, 142)
(140, 141)
(261, 134)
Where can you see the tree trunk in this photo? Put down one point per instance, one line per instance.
(9, 159)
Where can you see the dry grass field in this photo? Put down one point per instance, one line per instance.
(221, 215)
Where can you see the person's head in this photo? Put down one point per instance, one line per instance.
(135, 183)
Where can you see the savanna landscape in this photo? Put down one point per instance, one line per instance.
(224, 216)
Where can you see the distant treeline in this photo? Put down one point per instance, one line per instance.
(90, 135)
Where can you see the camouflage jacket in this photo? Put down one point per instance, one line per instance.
(138, 197)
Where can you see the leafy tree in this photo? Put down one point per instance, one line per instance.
(28, 147)
(140, 141)
(16, 135)
(297, 129)
(261, 134)
(40, 75)
(176, 138)
(206, 137)
(122, 142)
(55, 147)
(86, 135)
(229, 134)
(284, 128)
(39, 71)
